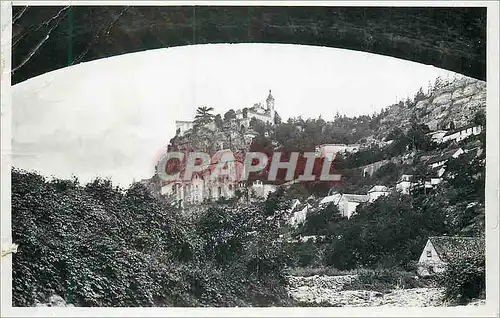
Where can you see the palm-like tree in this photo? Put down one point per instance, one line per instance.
(203, 116)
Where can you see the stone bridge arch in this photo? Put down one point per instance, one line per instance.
(452, 38)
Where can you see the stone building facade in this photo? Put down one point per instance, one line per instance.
(243, 117)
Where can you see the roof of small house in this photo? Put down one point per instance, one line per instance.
(295, 203)
(435, 132)
(360, 198)
(299, 207)
(331, 198)
(338, 145)
(450, 247)
(379, 188)
(436, 159)
(434, 171)
(443, 156)
(407, 173)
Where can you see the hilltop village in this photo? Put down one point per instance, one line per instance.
(441, 131)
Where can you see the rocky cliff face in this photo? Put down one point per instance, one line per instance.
(210, 140)
(456, 101)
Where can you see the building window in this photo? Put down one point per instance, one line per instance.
(429, 254)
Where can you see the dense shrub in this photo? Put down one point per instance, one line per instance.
(304, 254)
(325, 221)
(464, 279)
(99, 245)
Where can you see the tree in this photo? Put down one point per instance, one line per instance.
(480, 119)
(230, 114)
(203, 116)
(219, 123)
(418, 139)
(452, 125)
(466, 174)
(258, 125)
(277, 118)
(394, 134)
(419, 96)
(438, 84)
(324, 222)
(409, 103)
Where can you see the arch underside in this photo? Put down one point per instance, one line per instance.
(452, 38)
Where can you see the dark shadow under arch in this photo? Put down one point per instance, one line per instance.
(452, 38)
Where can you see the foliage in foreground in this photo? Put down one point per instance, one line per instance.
(464, 279)
(98, 245)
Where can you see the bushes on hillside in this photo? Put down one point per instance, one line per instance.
(325, 221)
(99, 245)
(464, 279)
(96, 245)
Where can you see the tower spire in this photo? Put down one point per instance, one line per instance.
(270, 106)
(270, 97)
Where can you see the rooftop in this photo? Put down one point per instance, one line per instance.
(379, 188)
(360, 198)
(443, 156)
(450, 247)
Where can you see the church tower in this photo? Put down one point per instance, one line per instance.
(270, 106)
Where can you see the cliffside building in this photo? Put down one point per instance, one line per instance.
(330, 149)
(243, 116)
(462, 133)
(203, 186)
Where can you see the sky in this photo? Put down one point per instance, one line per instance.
(114, 117)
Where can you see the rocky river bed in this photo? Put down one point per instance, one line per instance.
(329, 291)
